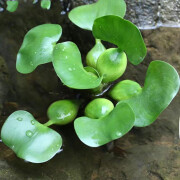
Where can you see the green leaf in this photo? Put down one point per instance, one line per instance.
(85, 15)
(12, 6)
(94, 53)
(125, 90)
(37, 47)
(69, 68)
(62, 112)
(29, 139)
(46, 4)
(98, 108)
(122, 33)
(161, 86)
(97, 132)
(111, 64)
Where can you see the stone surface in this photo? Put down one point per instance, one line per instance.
(151, 153)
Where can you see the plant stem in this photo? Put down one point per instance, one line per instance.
(49, 123)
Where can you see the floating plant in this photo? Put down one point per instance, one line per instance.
(103, 121)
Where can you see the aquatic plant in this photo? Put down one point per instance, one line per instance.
(12, 5)
(103, 121)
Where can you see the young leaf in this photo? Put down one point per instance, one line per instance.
(125, 90)
(69, 68)
(46, 4)
(97, 132)
(12, 6)
(29, 139)
(37, 47)
(122, 33)
(111, 64)
(98, 108)
(161, 86)
(62, 112)
(85, 15)
(94, 53)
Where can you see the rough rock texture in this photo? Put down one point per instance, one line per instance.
(151, 153)
(146, 14)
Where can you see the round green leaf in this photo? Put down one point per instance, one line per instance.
(37, 47)
(97, 132)
(124, 90)
(12, 6)
(29, 139)
(46, 4)
(69, 68)
(85, 15)
(94, 53)
(111, 64)
(98, 108)
(122, 33)
(62, 112)
(161, 86)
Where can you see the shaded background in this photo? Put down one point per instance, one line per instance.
(144, 153)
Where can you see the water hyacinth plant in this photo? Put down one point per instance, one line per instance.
(103, 121)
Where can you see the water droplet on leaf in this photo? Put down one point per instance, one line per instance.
(29, 133)
(70, 69)
(19, 118)
(32, 122)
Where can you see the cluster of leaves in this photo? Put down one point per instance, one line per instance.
(136, 106)
(12, 5)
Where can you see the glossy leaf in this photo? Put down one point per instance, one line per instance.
(62, 112)
(125, 90)
(37, 47)
(122, 33)
(12, 6)
(98, 108)
(29, 139)
(91, 70)
(69, 68)
(94, 53)
(46, 4)
(85, 15)
(97, 132)
(111, 64)
(161, 86)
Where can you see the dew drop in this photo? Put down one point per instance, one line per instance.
(12, 147)
(119, 134)
(66, 57)
(32, 122)
(70, 69)
(19, 118)
(29, 133)
(57, 145)
(31, 63)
